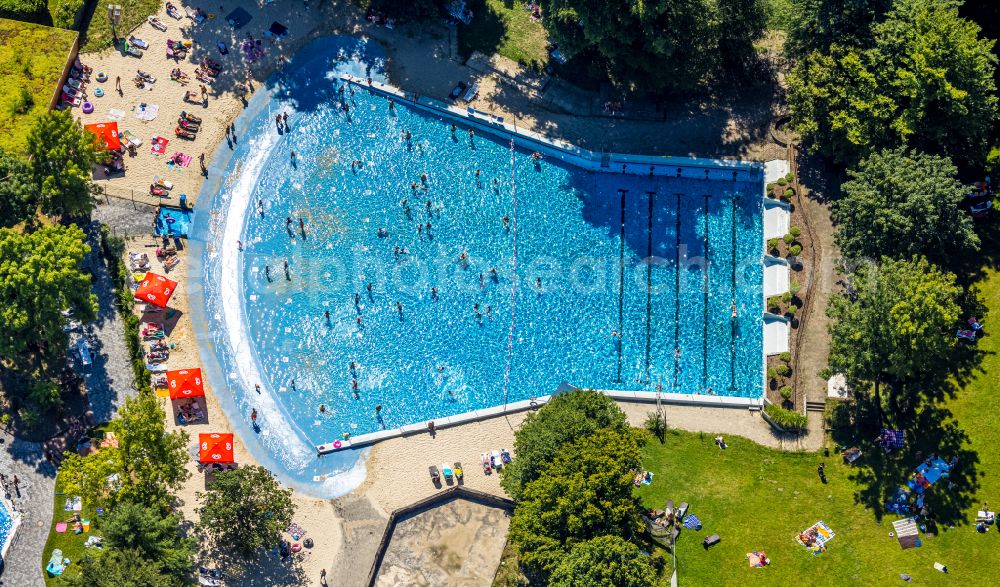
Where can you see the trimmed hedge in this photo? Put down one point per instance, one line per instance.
(113, 249)
(789, 420)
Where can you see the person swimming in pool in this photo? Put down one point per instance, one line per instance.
(267, 272)
(506, 222)
(423, 178)
(434, 293)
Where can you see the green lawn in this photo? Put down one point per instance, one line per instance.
(504, 27)
(71, 544)
(756, 498)
(32, 58)
(97, 29)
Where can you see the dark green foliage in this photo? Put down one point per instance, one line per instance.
(583, 493)
(26, 10)
(40, 276)
(605, 560)
(898, 327)
(16, 191)
(245, 509)
(62, 159)
(899, 204)
(817, 24)
(660, 46)
(120, 568)
(789, 420)
(926, 82)
(132, 526)
(567, 417)
(114, 249)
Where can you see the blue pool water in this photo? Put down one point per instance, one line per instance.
(637, 287)
(173, 222)
(6, 523)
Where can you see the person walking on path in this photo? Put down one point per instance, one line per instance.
(118, 85)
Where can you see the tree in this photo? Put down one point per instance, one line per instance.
(16, 190)
(657, 46)
(567, 416)
(605, 561)
(818, 24)
(148, 462)
(927, 83)
(899, 204)
(40, 277)
(246, 509)
(135, 527)
(896, 328)
(119, 568)
(152, 459)
(62, 160)
(583, 493)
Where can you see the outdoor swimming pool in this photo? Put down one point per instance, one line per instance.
(6, 527)
(493, 279)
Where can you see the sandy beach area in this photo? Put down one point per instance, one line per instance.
(396, 469)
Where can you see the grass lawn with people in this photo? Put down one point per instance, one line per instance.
(97, 29)
(505, 28)
(32, 58)
(756, 498)
(70, 543)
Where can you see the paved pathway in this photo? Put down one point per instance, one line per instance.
(23, 565)
(109, 380)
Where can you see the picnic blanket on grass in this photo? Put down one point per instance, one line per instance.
(890, 440)
(73, 504)
(907, 533)
(816, 536)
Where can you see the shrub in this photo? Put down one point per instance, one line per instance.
(794, 288)
(785, 357)
(65, 12)
(113, 249)
(786, 392)
(792, 310)
(839, 416)
(774, 303)
(772, 373)
(772, 244)
(825, 373)
(770, 190)
(787, 419)
(22, 103)
(788, 194)
(5, 419)
(782, 182)
(788, 238)
(656, 426)
(783, 370)
(786, 297)
(795, 231)
(790, 177)
(45, 394)
(795, 250)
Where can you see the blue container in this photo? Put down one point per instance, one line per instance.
(183, 201)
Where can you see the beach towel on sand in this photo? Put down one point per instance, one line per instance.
(180, 159)
(158, 145)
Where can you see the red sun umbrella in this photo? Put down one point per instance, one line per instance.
(155, 289)
(108, 131)
(216, 447)
(184, 383)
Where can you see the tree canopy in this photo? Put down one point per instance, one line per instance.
(899, 204)
(818, 24)
(148, 461)
(897, 327)
(16, 191)
(927, 82)
(245, 509)
(605, 561)
(115, 567)
(138, 528)
(583, 493)
(567, 416)
(658, 46)
(62, 159)
(40, 276)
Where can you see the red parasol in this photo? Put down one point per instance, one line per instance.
(155, 289)
(108, 131)
(216, 447)
(185, 383)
